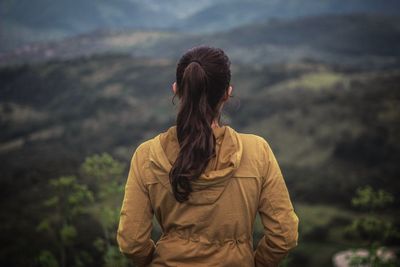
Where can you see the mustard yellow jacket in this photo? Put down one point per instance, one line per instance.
(215, 227)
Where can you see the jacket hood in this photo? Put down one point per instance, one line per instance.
(210, 185)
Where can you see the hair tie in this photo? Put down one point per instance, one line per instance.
(195, 60)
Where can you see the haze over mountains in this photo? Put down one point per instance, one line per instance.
(25, 21)
(347, 39)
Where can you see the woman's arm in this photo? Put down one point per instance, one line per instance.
(277, 214)
(135, 225)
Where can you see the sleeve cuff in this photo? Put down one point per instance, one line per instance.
(144, 257)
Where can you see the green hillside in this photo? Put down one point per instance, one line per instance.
(333, 129)
(330, 111)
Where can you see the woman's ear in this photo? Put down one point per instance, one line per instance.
(174, 88)
(228, 93)
(230, 90)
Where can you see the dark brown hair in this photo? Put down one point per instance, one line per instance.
(202, 77)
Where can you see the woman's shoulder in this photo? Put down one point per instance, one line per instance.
(253, 139)
(256, 145)
(142, 149)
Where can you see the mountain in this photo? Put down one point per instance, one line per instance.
(224, 15)
(371, 40)
(23, 21)
(26, 21)
(55, 110)
(332, 127)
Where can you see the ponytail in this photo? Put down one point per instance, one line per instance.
(194, 132)
(202, 77)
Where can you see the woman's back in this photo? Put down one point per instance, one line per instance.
(214, 227)
(205, 183)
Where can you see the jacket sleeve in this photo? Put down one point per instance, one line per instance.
(277, 214)
(135, 224)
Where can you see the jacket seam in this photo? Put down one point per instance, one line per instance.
(142, 174)
(146, 166)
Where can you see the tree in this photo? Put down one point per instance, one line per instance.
(105, 174)
(69, 200)
(373, 228)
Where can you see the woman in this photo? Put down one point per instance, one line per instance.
(205, 183)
